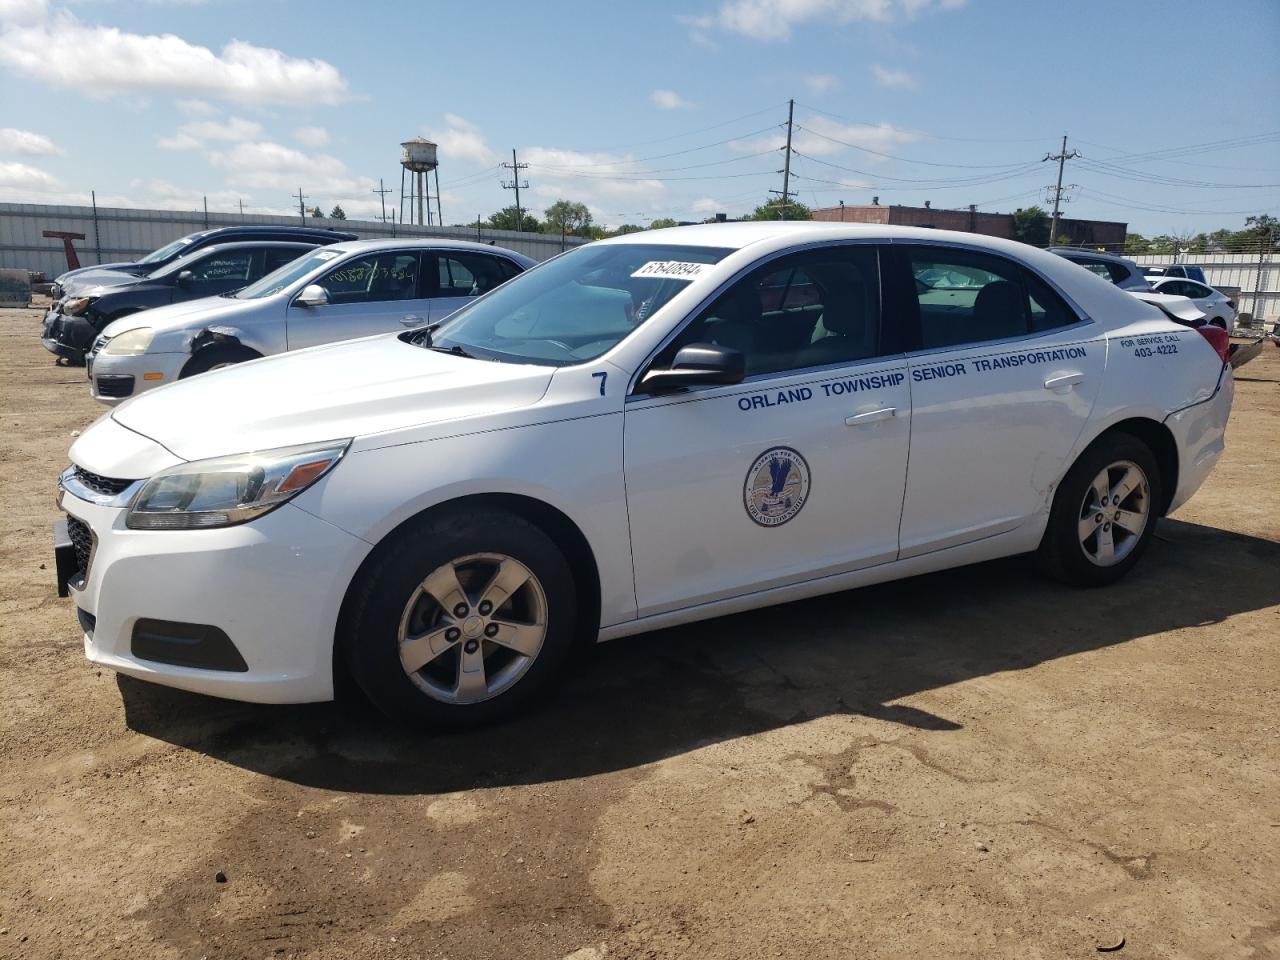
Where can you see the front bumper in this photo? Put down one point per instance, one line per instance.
(273, 588)
(67, 337)
(1199, 432)
(113, 379)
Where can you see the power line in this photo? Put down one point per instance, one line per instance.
(690, 133)
(1014, 171)
(890, 156)
(927, 136)
(660, 156)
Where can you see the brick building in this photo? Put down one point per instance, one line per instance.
(1102, 233)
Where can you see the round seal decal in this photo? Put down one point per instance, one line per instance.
(777, 486)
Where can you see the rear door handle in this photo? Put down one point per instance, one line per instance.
(412, 320)
(871, 416)
(1063, 381)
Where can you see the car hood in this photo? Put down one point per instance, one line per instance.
(91, 282)
(125, 266)
(339, 390)
(1180, 308)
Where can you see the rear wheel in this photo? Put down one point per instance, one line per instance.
(464, 618)
(213, 358)
(1104, 513)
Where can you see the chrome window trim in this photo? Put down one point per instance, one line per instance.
(643, 368)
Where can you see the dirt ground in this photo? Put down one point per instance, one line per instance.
(970, 764)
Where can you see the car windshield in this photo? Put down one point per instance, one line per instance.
(575, 307)
(165, 252)
(277, 280)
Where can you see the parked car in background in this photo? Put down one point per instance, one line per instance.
(1187, 271)
(1122, 272)
(642, 432)
(1128, 276)
(105, 273)
(1217, 307)
(72, 323)
(341, 291)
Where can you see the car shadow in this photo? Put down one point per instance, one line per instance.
(638, 700)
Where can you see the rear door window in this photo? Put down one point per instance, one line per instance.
(966, 296)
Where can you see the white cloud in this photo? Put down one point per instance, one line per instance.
(461, 141)
(669, 100)
(196, 108)
(22, 11)
(706, 206)
(821, 137)
(25, 142)
(821, 82)
(774, 19)
(311, 136)
(22, 177)
(892, 79)
(102, 61)
(264, 164)
(198, 133)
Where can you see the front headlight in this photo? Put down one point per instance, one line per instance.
(230, 490)
(76, 306)
(131, 343)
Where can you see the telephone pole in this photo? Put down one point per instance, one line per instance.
(786, 167)
(515, 167)
(302, 210)
(1062, 157)
(382, 195)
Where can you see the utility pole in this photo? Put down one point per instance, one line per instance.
(1265, 246)
(786, 161)
(382, 195)
(1062, 158)
(515, 167)
(240, 201)
(785, 193)
(302, 210)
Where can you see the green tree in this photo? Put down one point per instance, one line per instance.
(566, 216)
(662, 223)
(316, 214)
(1135, 245)
(505, 219)
(337, 213)
(1031, 226)
(1262, 231)
(773, 209)
(626, 228)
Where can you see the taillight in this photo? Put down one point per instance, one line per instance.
(1218, 338)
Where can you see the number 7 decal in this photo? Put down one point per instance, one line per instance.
(603, 375)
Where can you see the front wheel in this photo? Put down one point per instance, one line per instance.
(464, 618)
(217, 357)
(1103, 514)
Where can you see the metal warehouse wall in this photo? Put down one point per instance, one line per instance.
(124, 234)
(1238, 270)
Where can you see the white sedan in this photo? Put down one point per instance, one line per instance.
(342, 291)
(1218, 308)
(645, 431)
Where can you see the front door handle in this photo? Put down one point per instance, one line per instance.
(412, 320)
(871, 416)
(1063, 381)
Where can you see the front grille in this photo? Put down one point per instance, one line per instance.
(115, 386)
(82, 540)
(108, 486)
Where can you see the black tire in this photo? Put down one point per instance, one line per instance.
(217, 356)
(370, 630)
(1062, 555)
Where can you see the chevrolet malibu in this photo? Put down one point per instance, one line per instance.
(645, 431)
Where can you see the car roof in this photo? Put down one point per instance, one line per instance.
(326, 232)
(425, 243)
(251, 244)
(1099, 254)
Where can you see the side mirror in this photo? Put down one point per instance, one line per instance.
(696, 365)
(312, 295)
(185, 278)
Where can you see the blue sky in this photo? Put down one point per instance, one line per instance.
(647, 110)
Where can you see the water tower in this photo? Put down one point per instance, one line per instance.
(418, 158)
